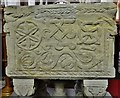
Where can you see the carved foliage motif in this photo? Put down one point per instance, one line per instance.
(24, 87)
(95, 91)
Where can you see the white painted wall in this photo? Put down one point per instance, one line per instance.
(31, 2)
(11, 2)
(107, 0)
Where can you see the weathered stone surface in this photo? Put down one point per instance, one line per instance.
(95, 88)
(24, 87)
(61, 41)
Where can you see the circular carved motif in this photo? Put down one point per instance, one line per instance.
(85, 57)
(26, 38)
(86, 60)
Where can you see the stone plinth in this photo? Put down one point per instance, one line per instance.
(61, 41)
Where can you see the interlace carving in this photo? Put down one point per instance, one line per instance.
(53, 41)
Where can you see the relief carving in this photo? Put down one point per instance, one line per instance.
(27, 61)
(95, 91)
(59, 13)
(25, 35)
(67, 61)
(95, 88)
(24, 87)
(46, 61)
(60, 42)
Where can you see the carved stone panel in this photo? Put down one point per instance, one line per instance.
(61, 41)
